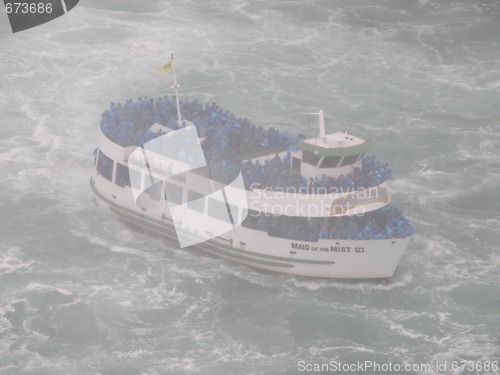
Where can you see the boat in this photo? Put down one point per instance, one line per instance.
(199, 175)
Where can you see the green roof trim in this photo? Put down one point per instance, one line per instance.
(340, 151)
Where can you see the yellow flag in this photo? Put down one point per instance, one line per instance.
(167, 66)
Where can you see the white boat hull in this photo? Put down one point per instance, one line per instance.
(326, 258)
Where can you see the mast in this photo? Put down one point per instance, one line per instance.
(176, 86)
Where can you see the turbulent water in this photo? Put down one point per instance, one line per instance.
(81, 293)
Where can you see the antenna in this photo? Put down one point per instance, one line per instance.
(321, 124)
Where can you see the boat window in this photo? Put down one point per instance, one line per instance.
(154, 191)
(296, 162)
(173, 193)
(105, 166)
(330, 162)
(134, 177)
(255, 221)
(217, 209)
(310, 158)
(194, 201)
(181, 177)
(350, 159)
(95, 156)
(122, 178)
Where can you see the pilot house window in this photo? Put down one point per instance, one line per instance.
(350, 159)
(330, 162)
(310, 158)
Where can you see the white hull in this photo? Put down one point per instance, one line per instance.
(326, 258)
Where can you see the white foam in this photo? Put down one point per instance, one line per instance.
(36, 286)
(398, 281)
(11, 262)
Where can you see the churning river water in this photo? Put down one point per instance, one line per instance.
(81, 293)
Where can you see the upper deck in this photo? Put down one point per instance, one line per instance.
(326, 164)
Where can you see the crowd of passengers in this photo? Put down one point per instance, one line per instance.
(387, 222)
(226, 139)
(129, 124)
(275, 174)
